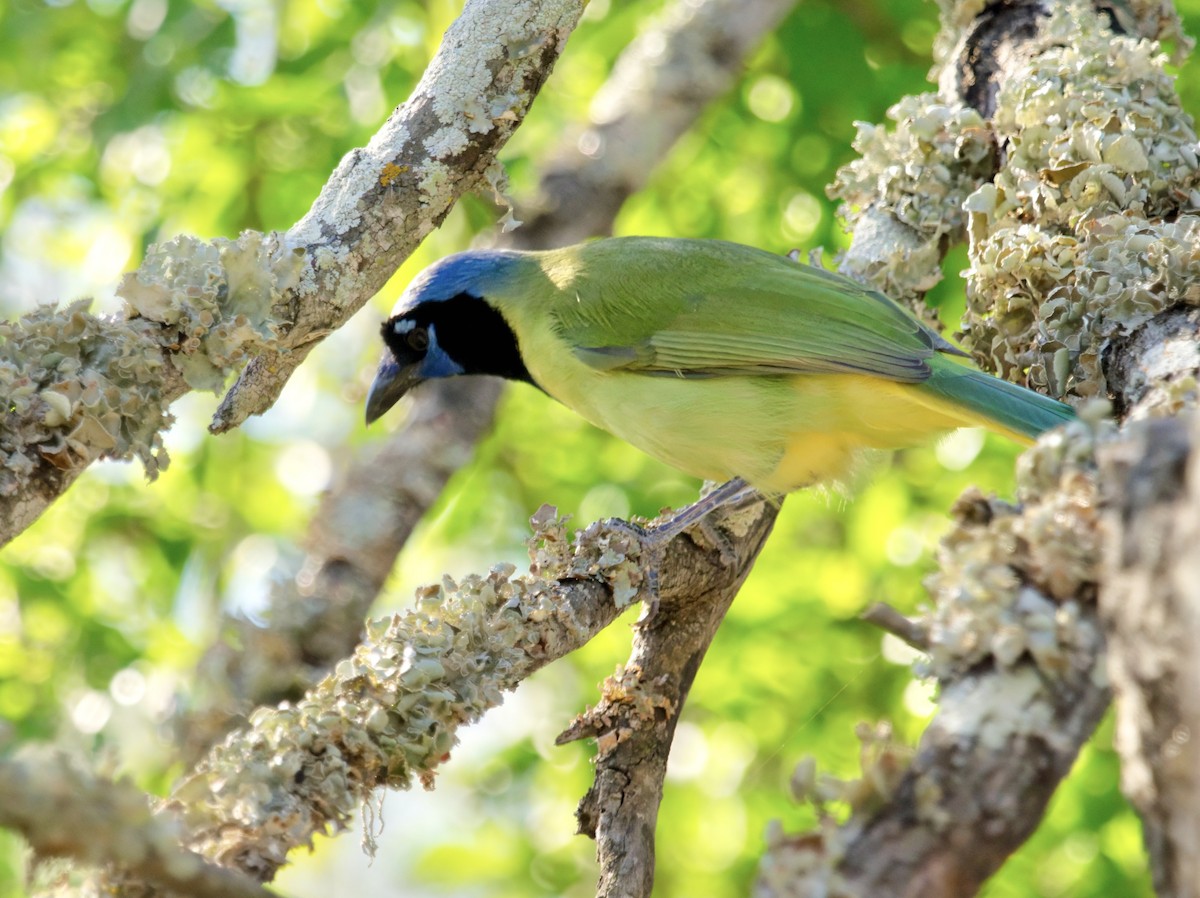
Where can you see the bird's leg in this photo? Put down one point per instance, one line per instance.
(734, 492)
(653, 539)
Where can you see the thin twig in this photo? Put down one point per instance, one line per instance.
(887, 618)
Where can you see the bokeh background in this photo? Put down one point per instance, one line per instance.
(123, 122)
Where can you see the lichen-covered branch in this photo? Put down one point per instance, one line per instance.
(79, 387)
(1150, 603)
(63, 810)
(1015, 644)
(1088, 230)
(634, 722)
(390, 712)
(315, 615)
(1082, 246)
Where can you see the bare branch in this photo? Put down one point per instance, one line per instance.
(81, 388)
(689, 56)
(890, 620)
(634, 723)
(63, 810)
(1151, 610)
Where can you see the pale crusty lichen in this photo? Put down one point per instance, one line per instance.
(78, 388)
(918, 174)
(391, 711)
(1012, 579)
(463, 104)
(1088, 230)
(218, 300)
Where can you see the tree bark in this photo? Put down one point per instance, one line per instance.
(1150, 605)
(1074, 201)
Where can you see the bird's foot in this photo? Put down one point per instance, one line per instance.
(653, 540)
(715, 536)
(651, 551)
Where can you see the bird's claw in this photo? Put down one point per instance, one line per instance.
(651, 552)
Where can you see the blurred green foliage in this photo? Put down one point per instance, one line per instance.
(126, 121)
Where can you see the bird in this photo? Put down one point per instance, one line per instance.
(727, 362)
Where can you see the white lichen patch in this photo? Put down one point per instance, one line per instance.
(77, 388)
(1012, 580)
(218, 300)
(919, 174)
(497, 178)
(999, 709)
(464, 103)
(606, 551)
(390, 713)
(1089, 228)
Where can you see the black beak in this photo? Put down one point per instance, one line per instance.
(391, 382)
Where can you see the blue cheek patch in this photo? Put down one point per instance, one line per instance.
(436, 363)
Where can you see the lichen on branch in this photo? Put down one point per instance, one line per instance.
(82, 387)
(390, 712)
(217, 301)
(77, 389)
(1090, 228)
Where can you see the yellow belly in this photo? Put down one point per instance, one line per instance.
(780, 433)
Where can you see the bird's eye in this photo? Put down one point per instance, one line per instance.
(418, 339)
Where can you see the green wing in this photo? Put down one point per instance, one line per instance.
(706, 308)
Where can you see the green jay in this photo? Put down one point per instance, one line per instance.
(727, 362)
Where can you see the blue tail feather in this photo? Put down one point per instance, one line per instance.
(1011, 407)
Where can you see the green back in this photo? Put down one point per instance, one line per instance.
(706, 307)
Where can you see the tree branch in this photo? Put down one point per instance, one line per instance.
(1078, 241)
(62, 810)
(390, 712)
(81, 388)
(1150, 605)
(1015, 646)
(686, 58)
(634, 723)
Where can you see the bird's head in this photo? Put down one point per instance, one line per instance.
(444, 325)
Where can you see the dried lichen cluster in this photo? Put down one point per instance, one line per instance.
(1012, 579)
(71, 395)
(1089, 229)
(82, 387)
(391, 711)
(1078, 199)
(918, 174)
